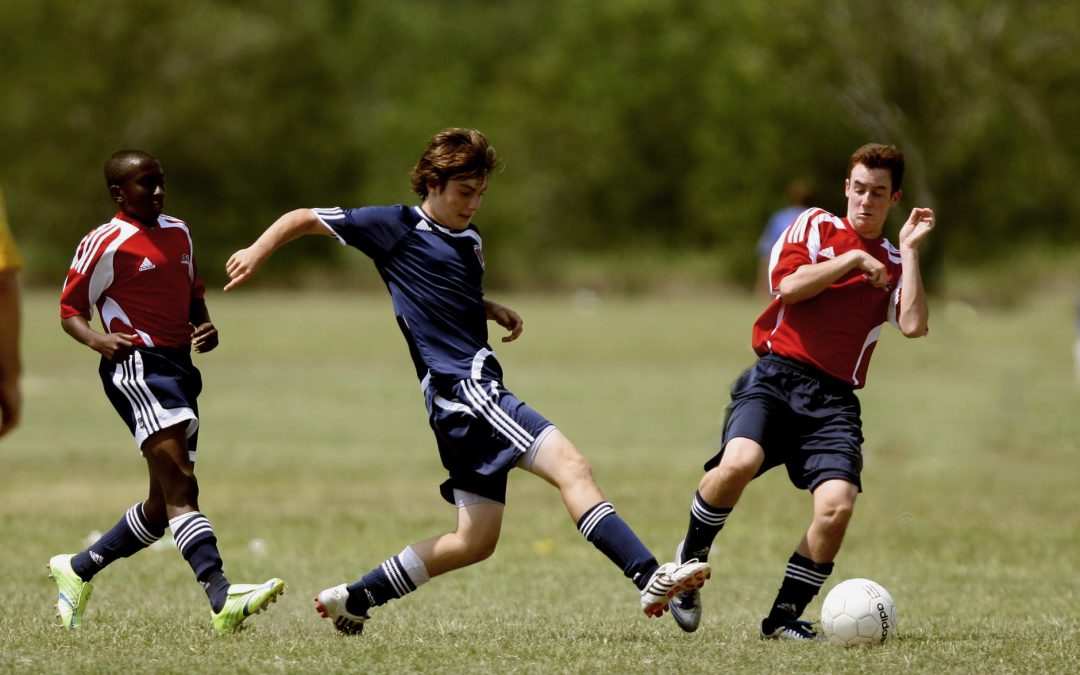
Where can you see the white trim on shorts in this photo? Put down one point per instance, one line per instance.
(150, 415)
(463, 498)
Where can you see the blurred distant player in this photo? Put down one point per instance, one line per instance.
(139, 271)
(799, 196)
(835, 282)
(10, 361)
(431, 259)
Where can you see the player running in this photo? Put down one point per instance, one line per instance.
(431, 258)
(139, 271)
(835, 282)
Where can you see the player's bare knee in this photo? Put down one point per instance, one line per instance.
(835, 515)
(475, 548)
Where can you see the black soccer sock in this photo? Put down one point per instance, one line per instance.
(127, 537)
(706, 521)
(609, 533)
(394, 578)
(196, 541)
(802, 581)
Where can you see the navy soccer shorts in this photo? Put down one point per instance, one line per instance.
(482, 430)
(806, 420)
(155, 388)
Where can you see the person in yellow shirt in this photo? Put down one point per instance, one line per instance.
(10, 364)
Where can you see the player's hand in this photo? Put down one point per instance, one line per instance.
(508, 319)
(205, 338)
(242, 265)
(918, 226)
(873, 270)
(115, 347)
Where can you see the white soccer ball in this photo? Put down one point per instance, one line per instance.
(858, 612)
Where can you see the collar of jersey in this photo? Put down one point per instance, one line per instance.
(472, 234)
(120, 215)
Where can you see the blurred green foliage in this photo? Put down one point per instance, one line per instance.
(624, 125)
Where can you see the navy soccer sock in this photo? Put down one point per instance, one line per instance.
(127, 537)
(802, 581)
(706, 521)
(394, 578)
(196, 541)
(609, 533)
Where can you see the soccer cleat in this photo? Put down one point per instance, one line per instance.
(686, 608)
(330, 604)
(74, 592)
(669, 580)
(795, 629)
(243, 600)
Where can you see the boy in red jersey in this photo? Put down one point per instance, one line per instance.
(139, 271)
(835, 282)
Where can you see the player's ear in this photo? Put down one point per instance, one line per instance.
(895, 199)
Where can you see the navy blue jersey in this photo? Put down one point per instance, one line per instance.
(435, 278)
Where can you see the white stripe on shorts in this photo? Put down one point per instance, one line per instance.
(496, 416)
(128, 378)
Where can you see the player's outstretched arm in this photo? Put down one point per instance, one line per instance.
(243, 264)
(914, 312)
(505, 317)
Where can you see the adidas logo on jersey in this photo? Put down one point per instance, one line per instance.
(827, 253)
(423, 226)
(146, 265)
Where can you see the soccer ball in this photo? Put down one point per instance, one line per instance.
(858, 612)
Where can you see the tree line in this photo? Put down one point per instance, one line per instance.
(624, 126)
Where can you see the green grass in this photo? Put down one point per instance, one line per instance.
(314, 439)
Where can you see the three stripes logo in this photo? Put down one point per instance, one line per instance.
(146, 265)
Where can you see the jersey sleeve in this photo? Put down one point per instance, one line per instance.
(375, 230)
(806, 241)
(78, 296)
(198, 288)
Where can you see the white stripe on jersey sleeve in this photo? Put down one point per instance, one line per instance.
(326, 215)
(91, 243)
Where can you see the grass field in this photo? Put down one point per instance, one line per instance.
(314, 440)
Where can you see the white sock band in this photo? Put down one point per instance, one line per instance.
(414, 566)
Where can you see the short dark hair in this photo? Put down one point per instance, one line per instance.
(122, 161)
(453, 153)
(878, 156)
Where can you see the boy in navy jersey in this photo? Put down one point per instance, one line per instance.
(139, 271)
(835, 282)
(431, 258)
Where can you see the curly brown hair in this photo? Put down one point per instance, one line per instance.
(453, 154)
(878, 156)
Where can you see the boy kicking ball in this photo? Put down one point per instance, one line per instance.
(431, 259)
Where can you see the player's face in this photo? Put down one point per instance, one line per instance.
(141, 194)
(453, 206)
(869, 197)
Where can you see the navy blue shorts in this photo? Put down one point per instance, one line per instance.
(482, 431)
(155, 388)
(804, 419)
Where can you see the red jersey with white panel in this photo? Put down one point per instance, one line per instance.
(836, 330)
(141, 279)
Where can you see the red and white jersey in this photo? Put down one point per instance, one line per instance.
(141, 279)
(836, 330)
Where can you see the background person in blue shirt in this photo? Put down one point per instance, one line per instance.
(431, 258)
(798, 196)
